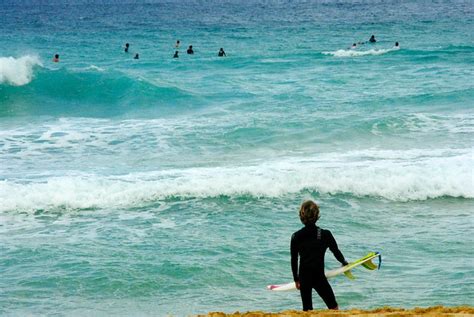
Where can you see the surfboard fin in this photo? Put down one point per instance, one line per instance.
(369, 265)
(349, 275)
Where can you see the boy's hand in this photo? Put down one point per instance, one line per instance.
(297, 284)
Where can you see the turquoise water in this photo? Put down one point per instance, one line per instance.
(171, 186)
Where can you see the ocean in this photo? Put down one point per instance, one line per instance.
(171, 186)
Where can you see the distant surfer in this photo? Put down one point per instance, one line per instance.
(372, 39)
(397, 46)
(190, 50)
(177, 44)
(127, 46)
(175, 54)
(56, 58)
(310, 244)
(136, 56)
(221, 52)
(354, 46)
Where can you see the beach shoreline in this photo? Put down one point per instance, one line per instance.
(458, 311)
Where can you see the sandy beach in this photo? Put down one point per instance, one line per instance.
(384, 311)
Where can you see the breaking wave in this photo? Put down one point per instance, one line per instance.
(356, 53)
(93, 91)
(18, 71)
(392, 175)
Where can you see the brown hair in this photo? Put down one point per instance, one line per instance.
(309, 212)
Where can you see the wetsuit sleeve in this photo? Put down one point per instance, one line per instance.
(294, 258)
(335, 250)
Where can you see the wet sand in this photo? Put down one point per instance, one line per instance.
(459, 311)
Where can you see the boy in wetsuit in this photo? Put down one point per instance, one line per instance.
(310, 243)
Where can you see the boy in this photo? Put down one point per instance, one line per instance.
(310, 243)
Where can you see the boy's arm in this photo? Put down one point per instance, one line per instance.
(294, 258)
(335, 250)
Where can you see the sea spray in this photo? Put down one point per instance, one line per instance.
(18, 71)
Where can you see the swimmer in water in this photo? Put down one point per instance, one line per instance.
(397, 46)
(354, 46)
(221, 52)
(136, 56)
(175, 54)
(126, 47)
(177, 44)
(372, 39)
(56, 58)
(190, 50)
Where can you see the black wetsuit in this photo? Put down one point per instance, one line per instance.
(310, 243)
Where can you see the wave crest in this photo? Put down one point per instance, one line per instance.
(18, 71)
(356, 53)
(392, 175)
(95, 90)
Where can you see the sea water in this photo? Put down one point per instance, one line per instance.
(172, 186)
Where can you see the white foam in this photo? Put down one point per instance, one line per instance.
(392, 175)
(356, 53)
(94, 68)
(428, 123)
(18, 71)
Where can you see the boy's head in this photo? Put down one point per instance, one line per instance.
(309, 212)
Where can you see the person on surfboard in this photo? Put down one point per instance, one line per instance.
(310, 244)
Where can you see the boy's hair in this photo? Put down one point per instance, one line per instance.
(309, 212)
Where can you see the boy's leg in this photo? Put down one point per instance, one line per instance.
(306, 296)
(325, 292)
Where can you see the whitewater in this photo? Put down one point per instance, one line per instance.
(18, 71)
(171, 186)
